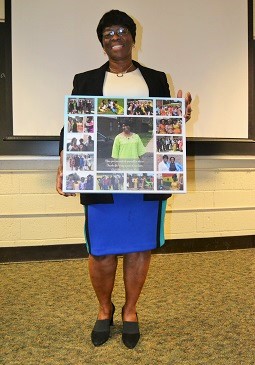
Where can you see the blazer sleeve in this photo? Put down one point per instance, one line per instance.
(61, 141)
(76, 89)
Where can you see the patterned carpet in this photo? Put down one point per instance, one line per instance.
(195, 308)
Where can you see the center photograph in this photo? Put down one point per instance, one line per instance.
(125, 143)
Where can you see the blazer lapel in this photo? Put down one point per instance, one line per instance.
(98, 82)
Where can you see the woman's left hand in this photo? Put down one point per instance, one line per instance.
(188, 100)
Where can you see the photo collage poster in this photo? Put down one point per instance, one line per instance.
(123, 145)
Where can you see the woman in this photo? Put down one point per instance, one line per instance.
(72, 146)
(127, 149)
(174, 166)
(121, 216)
(162, 126)
(164, 164)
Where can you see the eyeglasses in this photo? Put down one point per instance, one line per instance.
(120, 32)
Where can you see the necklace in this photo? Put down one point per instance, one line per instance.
(128, 136)
(120, 74)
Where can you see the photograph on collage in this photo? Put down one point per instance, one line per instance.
(169, 144)
(82, 142)
(140, 107)
(79, 181)
(76, 105)
(169, 126)
(168, 162)
(79, 124)
(124, 143)
(110, 106)
(171, 108)
(80, 162)
(170, 182)
(140, 181)
(110, 181)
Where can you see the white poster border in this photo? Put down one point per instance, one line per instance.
(94, 138)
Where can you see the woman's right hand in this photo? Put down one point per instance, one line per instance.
(59, 178)
(188, 100)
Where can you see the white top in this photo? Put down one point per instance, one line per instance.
(131, 84)
(163, 167)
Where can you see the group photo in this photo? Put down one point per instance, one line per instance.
(82, 142)
(80, 124)
(168, 162)
(79, 162)
(80, 105)
(169, 143)
(110, 106)
(110, 181)
(170, 182)
(169, 126)
(137, 182)
(172, 109)
(79, 181)
(139, 107)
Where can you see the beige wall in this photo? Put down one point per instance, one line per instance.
(2, 12)
(220, 202)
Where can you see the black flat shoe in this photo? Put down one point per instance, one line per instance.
(101, 331)
(130, 334)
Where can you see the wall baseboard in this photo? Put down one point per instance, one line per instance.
(78, 251)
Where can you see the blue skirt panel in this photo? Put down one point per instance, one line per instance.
(128, 225)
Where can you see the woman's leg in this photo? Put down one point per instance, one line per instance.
(102, 270)
(135, 269)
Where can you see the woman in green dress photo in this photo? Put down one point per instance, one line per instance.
(128, 149)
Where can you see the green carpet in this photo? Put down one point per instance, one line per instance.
(194, 309)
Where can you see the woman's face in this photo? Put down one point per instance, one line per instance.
(126, 128)
(117, 47)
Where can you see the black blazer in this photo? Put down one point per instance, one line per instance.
(91, 83)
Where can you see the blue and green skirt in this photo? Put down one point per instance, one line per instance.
(128, 225)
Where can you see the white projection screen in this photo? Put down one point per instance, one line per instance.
(201, 45)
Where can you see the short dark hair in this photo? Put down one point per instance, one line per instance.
(127, 123)
(115, 17)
